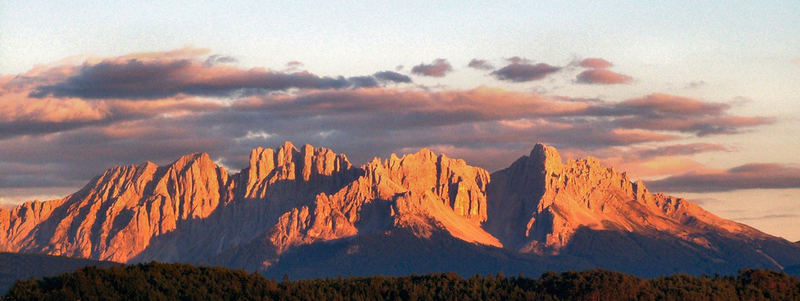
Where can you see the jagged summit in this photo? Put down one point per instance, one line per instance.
(542, 201)
(546, 157)
(289, 201)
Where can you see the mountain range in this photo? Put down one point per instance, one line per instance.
(309, 212)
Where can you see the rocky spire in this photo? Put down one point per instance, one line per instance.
(318, 167)
(546, 158)
(191, 209)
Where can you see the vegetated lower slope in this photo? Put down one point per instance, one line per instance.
(20, 266)
(308, 212)
(157, 281)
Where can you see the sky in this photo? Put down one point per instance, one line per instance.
(700, 99)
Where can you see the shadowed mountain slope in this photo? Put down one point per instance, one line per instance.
(20, 266)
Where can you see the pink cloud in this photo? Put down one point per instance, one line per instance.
(602, 76)
(670, 104)
(595, 63)
(646, 161)
(681, 149)
(438, 68)
(182, 53)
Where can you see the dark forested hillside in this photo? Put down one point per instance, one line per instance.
(157, 281)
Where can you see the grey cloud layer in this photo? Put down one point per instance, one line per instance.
(681, 149)
(480, 64)
(362, 123)
(75, 121)
(524, 72)
(754, 175)
(152, 79)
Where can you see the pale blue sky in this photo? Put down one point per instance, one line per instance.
(363, 35)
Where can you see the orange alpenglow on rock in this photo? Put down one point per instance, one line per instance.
(540, 212)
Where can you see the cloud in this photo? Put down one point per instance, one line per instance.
(182, 53)
(438, 68)
(480, 64)
(656, 112)
(675, 113)
(294, 64)
(363, 81)
(524, 72)
(767, 216)
(748, 176)
(148, 81)
(518, 60)
(681, 149)
(27, 176)
(603, 77)
(695, 84)
(595, 63)
(135, 79)
(598, 73)
(391, 76)
(378, 79)
(421, 107)
(362, 123)
(83, 121)
(701, 126)
(153, 77)
(20, 115)
(648, 161)
(657, 104)
(219, 59)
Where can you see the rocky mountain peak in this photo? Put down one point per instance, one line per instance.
(546, 158)
(191, 210)
(315, 166)
(193, 159)
(462, 187)
(539, 202)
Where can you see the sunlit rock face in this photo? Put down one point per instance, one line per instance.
(117, 213)
(540, 201)
(296, 195)
(193, 210)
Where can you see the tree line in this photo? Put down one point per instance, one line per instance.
(160, 281)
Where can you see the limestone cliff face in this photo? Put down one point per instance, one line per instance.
(421, 191)
(192, 208)
(288, 170)
(116, 214)
(276, 190)
(193, 211)
(540, 201)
